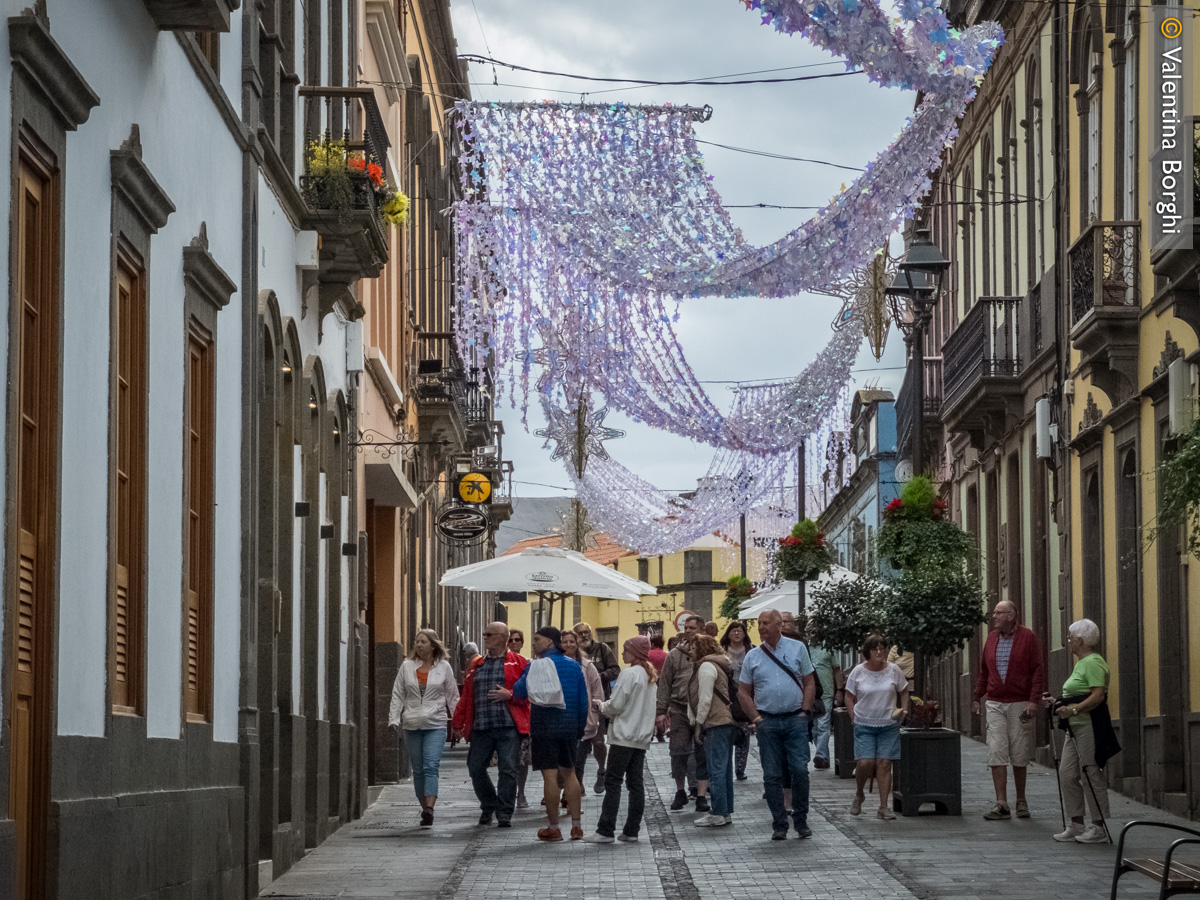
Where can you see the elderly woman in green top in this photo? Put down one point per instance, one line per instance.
(1083, 780)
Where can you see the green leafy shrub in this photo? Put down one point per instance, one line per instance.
(843, 612)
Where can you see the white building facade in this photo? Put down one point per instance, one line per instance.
(181, 645)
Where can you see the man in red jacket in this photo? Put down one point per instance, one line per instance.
(493, 721)
(1013, 680)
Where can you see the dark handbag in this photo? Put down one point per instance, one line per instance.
(818, 707)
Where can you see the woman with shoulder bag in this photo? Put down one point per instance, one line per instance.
(710, 710)
(423, 699)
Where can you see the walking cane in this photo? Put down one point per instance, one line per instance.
(1057, 777)
(1083, 768)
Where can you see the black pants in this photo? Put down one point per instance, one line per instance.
(581, 757)
(624, 764)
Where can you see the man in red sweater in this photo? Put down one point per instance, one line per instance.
(1013, 680)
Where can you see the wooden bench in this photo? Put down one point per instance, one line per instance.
(1173, 877)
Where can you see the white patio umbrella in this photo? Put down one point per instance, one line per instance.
(550, 573)
(786, 597)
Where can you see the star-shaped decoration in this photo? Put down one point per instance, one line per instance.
(573, 431)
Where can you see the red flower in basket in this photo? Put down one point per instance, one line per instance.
(375, 173)
(895, 506)
(357, 163)
(790, 541)
(939, 508)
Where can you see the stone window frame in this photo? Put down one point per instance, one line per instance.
(207, 290)
(49, 98)
(140, 208)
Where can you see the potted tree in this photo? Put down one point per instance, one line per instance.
(842, 614)
(934, 605)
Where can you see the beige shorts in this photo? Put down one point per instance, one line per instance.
(1009, 740)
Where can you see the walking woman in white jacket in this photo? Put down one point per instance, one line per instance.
(630, 711)
(423, 699)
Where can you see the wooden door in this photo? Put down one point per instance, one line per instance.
(36, 404)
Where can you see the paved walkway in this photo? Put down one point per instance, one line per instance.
(386, 855)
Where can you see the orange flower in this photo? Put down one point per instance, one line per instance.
(375, 173)
(357, 163)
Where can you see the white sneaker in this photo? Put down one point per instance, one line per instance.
(708, 820)
(726, 820)
(1073, 830)
(1093, 835)
(627, 839)
(598, 838)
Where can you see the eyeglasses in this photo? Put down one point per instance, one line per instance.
(493, 633)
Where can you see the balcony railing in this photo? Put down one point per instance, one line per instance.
(1104, 268)
(344, 139)
(907, 398)
(986, 344)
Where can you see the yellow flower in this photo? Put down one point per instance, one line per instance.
(395, 209)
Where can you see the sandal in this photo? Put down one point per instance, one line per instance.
(997, 812)
(856, 806)
(426, 816)
(885, 813)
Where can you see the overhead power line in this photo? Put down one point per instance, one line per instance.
(703, 82)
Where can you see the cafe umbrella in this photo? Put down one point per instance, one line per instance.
(549, 572)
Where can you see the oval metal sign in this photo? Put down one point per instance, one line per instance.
(462, 523)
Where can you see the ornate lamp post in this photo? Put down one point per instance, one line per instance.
(911, 299)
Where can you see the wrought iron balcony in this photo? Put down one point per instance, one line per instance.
(1105, 305)
(906, 406)
(342, 181)
(1104, 268)
(440, 381)
(983, 365)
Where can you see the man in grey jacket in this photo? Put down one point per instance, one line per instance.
(606, 664)
(672, 710)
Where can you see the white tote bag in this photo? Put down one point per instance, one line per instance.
(544, 687)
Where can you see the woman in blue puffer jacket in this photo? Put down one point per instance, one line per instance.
(555, 733)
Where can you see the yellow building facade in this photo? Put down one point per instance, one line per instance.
(688, 581)
(1056, 301)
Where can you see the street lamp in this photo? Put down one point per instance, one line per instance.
(911, 299)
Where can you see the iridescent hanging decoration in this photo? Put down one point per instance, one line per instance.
(581, 222)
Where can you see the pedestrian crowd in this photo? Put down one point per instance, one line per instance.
(707, 697)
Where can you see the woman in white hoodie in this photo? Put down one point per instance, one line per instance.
(423, 699)
(630, 711)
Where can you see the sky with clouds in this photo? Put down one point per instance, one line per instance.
(845, 120)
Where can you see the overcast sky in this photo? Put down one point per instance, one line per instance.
(845, 120)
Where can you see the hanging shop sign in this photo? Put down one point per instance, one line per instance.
(462, 524)
(475, 487)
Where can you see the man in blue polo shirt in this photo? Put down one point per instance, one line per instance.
(777, 692)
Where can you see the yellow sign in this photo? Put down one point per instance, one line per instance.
(475, 487)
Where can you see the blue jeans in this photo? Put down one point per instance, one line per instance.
(785, 738)
(821, 731)
(718, 752)
(425, 747)
(505, 743)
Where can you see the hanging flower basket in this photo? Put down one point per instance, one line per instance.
(916, 530)
(802, 555)
(737, 591)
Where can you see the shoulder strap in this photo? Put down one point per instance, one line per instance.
(775, 659)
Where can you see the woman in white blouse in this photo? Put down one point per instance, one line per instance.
(877, 702)
(423, 700)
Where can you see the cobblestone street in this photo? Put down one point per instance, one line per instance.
(386, 855)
